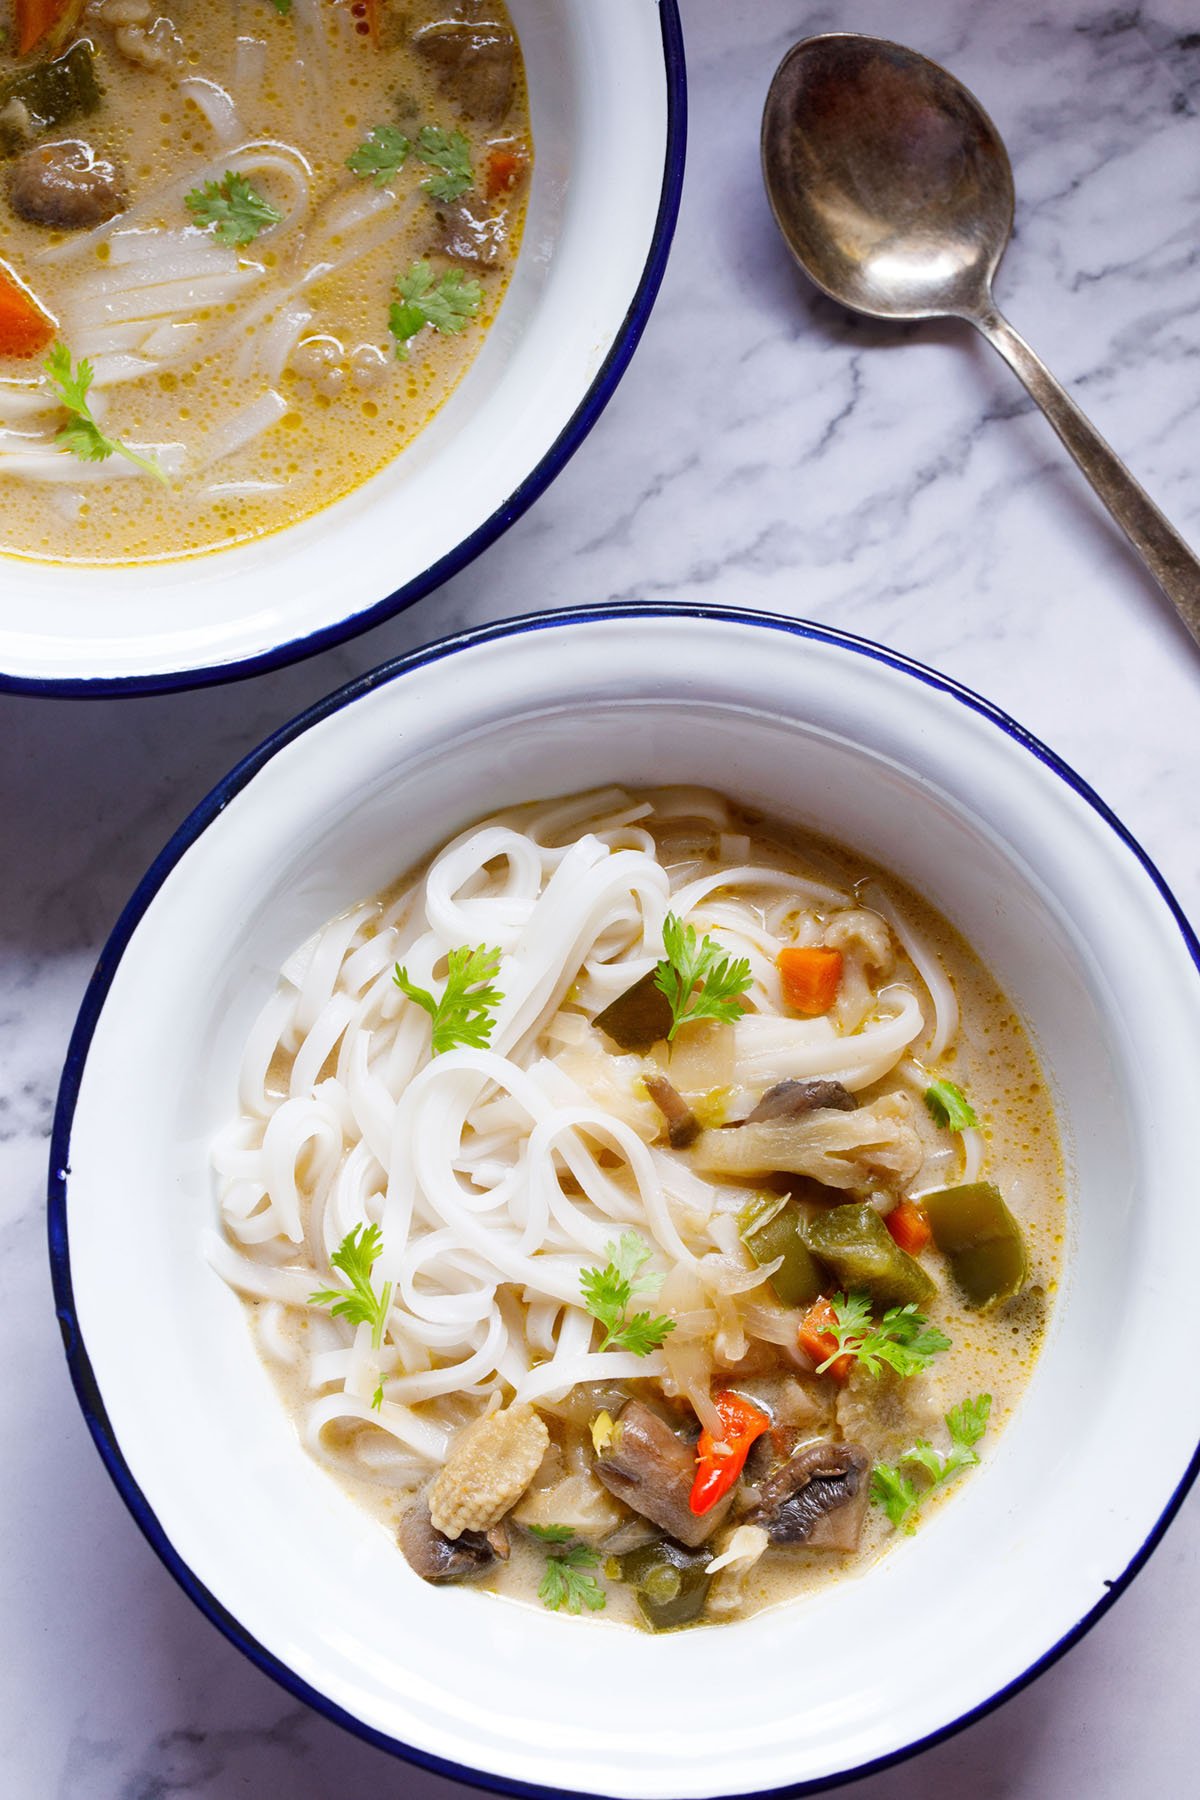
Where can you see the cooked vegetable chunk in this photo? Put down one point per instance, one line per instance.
(819, 1497)
(799, 1277)
(854, 1243)
(792, 1099)
(49, 94)
(974, 1229)
(671, 1583)
(66, 186)
(874, 1145)
(492, 1463)
(683, 1127)
(436, 1557)
(651, 1468)
(476, 64)
(639, 1017)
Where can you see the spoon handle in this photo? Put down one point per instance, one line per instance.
(1173, 565)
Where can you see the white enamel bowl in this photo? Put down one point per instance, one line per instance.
(606, 86)
(828, 731)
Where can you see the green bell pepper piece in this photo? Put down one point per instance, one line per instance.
(855, 1245)
(771, 1229)
(980, 1239)
(670, 1583)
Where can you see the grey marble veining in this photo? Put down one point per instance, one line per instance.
(764, 450)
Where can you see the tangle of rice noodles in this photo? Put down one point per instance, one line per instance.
(498, 1174)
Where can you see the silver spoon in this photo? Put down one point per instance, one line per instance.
(894, 193)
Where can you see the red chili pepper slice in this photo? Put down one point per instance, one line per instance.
(716, 1471)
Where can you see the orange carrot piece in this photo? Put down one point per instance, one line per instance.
(37, 19)
(909, 1226)
(818, 1342)
(25, 328)
(505, 168)
(811, 976)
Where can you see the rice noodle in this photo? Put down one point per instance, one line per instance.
(498, 1174)
(217, 107)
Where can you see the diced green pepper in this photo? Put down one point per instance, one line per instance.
(670, 1583)
(49, 94)
(975, 1231)
(639, 1017)
(856, 1246)
(772, 1228)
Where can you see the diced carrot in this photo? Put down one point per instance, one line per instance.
(506, 166)
(818, 1342)
(38, 19)
(25, 328)
(811, 975)
(909, 1226)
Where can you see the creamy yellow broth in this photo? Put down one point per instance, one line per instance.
(346, 405)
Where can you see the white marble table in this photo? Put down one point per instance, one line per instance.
(765, 451)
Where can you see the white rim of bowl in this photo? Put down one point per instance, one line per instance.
(87, 1388)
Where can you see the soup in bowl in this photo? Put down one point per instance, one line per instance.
(892, 810)
(331, 289)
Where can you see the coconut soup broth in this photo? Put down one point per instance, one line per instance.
(263, 377)
(992, 1349)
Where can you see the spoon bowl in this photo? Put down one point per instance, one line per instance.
(887, 179)
(894, 193)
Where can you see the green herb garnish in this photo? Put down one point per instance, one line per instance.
(607, 1294)
(449, 154)
(463, 1015)
(565, 1582)
(377, 1396)
(697, 979)
(382, 154)
(949, 1106)
(282, 7)
(899, 1495)
(903, 1339)
(236, 211)
(81, 436)
(355, 1256)
(445, 302)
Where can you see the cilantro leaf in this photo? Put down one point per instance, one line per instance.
(552, 1534)
(898, 1494)
(698, 981)
(377, 1396)
(903, 1339)
(81, 436)
(449, 154)
(382, 154)
(444, 302)
(463, 1014)
(949, 1106)
(565, 1582)
(355, 1257)
(607, 1294)
(236, 211)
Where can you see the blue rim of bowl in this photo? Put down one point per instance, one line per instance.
(83, 1378)
(561, 451)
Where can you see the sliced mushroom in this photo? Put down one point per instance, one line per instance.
(651, 1468)
(791, 1099)
(467, 232)
(435, 1557)
(683, 1127)
(476, 62)
(819, 1497)
(873, 1146)
(66, 186)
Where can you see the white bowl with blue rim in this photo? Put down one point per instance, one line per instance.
(840, 736)
(607, 101)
